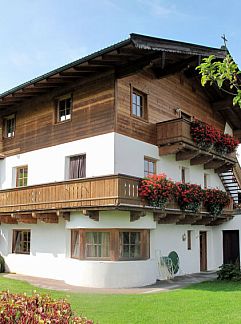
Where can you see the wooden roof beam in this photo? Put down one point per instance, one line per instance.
(74, 74)
(223, 104)
(201, 159)
(214, 164)
(88, 69)
(173, 68)
(186, 154)
(133, 51)
(105, 63)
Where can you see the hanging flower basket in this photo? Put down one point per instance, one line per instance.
(156, 190)
(188, 196)
(215, 200)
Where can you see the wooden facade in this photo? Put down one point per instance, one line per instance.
(166, 97)
(36, 126)
(102, 105)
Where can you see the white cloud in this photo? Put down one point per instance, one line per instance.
(159, 9)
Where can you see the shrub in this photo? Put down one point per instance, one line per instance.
(2, 264)
(229, 272)
(36, 309)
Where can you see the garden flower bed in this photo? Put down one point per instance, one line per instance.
(35, 309)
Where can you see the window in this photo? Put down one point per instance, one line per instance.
(189, 240)
(206, 180)
(75, 244)
(9, 126)
(130, 245)
(64, 107)
(138, 104)
(185, 175)
(149, 166)
(97, 245)
(21, 241)
(77, 166)
(186, 116)
(22, 176)
(111, 244)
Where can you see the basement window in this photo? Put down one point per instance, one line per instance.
(21, 241)
(64, 108)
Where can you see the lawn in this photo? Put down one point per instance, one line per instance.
(210, 302)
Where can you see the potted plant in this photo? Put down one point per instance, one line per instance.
(156, 190)
(215, 200)
(188, 196)
(207, 137)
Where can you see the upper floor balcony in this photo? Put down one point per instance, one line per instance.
(174, 137)
(48, 202)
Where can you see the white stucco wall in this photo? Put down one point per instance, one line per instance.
(129, 159)
(50, 243)
(49, 164)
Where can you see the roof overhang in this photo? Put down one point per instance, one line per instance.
(163, 56)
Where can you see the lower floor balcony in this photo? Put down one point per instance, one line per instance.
(90, 196)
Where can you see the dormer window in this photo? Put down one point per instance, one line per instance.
(9, 126)
(64, 108)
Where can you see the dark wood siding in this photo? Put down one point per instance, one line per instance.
(164, 96)
(36, 127)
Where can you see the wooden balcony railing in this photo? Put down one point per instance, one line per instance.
(48, 201)
(173, 137)
(89, 192)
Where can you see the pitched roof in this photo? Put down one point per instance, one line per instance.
(163, 56)
(122, 58)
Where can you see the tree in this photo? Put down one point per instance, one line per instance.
(225, 74)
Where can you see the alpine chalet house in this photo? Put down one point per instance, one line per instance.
(74, 145)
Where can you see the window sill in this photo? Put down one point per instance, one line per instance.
(142, 119)
(63, 122)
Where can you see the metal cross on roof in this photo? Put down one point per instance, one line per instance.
(224, 40)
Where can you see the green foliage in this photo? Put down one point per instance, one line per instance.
(221, 72)
(35, 309)
(229, 272)
(2, 264)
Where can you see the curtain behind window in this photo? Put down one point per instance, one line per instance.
(77, 167)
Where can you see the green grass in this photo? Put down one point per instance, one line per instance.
(209, 302)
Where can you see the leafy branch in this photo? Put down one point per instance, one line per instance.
(218, 72)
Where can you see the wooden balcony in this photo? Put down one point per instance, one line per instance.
(173, 137)
(50, 201)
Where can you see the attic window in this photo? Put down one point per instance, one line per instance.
(64, 108)
(9, 126)
(138, 104)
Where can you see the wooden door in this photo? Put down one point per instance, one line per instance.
(203, 250)
(231, 247)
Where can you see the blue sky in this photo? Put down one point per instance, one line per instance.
(40, 35)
